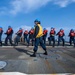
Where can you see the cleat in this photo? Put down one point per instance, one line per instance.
(33, 55)
(45, 53)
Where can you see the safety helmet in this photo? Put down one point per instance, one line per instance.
(0, 27)
(20, 28)
(9, 26)
(61, 29)
(72, 29)
(52, 28)
(44, 29)
(36, 20)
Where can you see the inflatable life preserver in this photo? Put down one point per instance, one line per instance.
(61, 33)
(9, 30)
(45, 32)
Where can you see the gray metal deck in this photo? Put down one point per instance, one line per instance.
(59, 60)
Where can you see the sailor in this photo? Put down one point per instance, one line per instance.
(19, 34)
(31, 35)
(45, 32)
(38, 33)
(71, 35)
(1, 32)
(25, 36)
(52, 36)
(9, 33)
(61, 35)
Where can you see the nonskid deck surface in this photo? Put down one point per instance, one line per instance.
(25, 44)
(60, 60)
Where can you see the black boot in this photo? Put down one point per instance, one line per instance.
(34, 54)
(11, 44)
(0, 43)
(49, 43)
(53, 45)
(27, 45)
(16, 44)
(6, 44)
(45, 53)
(74, 45)
(63, 45)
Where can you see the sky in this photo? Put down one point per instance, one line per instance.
(51, 13)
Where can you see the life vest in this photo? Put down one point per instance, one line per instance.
(9, 30)
(61, 33)
(52, 32)
(40, 33)
(72, 34)
(20, 31)
(45, 32)
(1, 30)
(31, 32)
(26, 32)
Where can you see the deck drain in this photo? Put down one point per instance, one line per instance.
(2, 64)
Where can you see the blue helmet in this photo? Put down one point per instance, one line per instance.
(20, 29)
(61, 29)
(72, 29)
(52, 28)
(44, 29)
(36, 20)
(9, 26)
(0, 27)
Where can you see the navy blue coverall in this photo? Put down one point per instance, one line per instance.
(60, 37)
(45, 36)
(25, 36)
(72, 37)
(17, 39)
(52, 37)
(31, 34)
